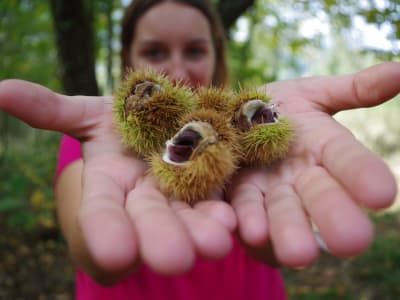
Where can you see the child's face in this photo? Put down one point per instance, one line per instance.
(175, 39)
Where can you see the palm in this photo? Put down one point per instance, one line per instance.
(123, 216)
(326, 176)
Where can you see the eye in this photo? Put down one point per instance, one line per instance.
(154, 54)
(195, 52)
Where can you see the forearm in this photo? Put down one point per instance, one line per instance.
(68, 192)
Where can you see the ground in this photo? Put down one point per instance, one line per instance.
(36, 266)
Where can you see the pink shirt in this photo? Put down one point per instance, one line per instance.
(236, 277)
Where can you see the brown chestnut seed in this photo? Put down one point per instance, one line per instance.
(141, 92)
(183, 145)
(259, 112)
(263, 116)
(147, 89)
(189, 142)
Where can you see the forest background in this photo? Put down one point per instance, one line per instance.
(72, 46)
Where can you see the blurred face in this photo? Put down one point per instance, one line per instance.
(175, 39)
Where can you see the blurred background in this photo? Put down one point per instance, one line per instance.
(72, 46)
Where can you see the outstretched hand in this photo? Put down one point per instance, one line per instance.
(123, 217)
(328, 176)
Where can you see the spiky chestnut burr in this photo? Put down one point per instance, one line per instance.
(147, 109)
(214, 98)
(264, 136)
(199, 159)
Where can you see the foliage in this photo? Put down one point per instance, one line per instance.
(280, 40)
(378, 13)
(373, 275)
(27, 156)
(107, 23)
(381, 265)
(268, 44)
(377, 128)
(27, 52)
(26, 181)
(27, 42)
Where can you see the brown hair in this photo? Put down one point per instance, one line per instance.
(138, 8)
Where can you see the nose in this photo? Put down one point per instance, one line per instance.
(177, 70)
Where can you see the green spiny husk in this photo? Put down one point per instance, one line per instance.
(198, 178)
(147, 129)
(266, 143)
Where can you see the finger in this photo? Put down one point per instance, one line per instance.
(105, 224)
(220, 211)
(290, 229)
(369, 87)
(366, 177)
(43, 109)
(211, 239)
(248, 202)
(346, 230)
(164, 243)
(247, 195)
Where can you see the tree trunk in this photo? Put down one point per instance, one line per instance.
(75, 43)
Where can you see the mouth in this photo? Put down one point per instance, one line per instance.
(190, 141)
